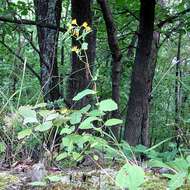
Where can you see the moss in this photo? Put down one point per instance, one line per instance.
(154, 182)
(7, 179)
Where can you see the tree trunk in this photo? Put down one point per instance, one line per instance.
(80, 78)
(178, 92)
(116, 58)
(137, 112)
(48, 12)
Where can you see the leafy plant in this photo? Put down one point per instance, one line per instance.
(179, 171)
(73, 144)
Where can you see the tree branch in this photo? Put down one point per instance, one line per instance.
(172, 18)
(32, 23)
(22, 60)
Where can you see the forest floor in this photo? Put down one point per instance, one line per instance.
(86, 178)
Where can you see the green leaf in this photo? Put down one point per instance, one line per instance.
(62, 156)
(67, 130)
(177, 180)
(87, 123)
(75, 117)
(28, 114)
(2, 147)
(96, 113)
(54, 178)
(179, 164)
(24, 133)
(38, 184)
(107, 105)
(52, 116)
(85, 109)
(84, 46)
(45, 113)
(130, 176)
(158, 164)
(84, 93)
(76, 156)
(44, 126)
(95, 157)
(112, 122)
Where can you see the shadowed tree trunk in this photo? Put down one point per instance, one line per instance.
(80, 78)
(136, 131)
(178, 92)
(48, 12)
(153, 61)
(116, 58)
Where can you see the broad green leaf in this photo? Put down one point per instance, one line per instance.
(96, 113)
(107, 105)
(87, 123)
(75, 117)
(177, 180)
(84, 93)
(179, 164)
(158, 164)
(130, 176)
(60, 120)
(28, 114)
(24, 133)
(112, 122)
(85, 109)
(62, 156)
(67, 130)
(51, 116)
(44, 126)
(45, 113)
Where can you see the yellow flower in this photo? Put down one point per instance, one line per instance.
(85, 24)
(88, 29)
(75, 49)
(74, 22)
(63, 110)
(76, 33)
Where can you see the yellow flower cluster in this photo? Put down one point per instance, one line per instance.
(87, 28)
(74, 28)
(75, 49)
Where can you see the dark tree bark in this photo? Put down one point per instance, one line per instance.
(136, 131)
(153, 61)
(48, 12)
(80, 78)
(116, 58)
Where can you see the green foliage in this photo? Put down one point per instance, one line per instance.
(179, 171)
(130, 176)
(107, 105)
(83, 93)
(2, 148)
(73, 145)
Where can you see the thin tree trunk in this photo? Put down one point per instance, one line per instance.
(138, 105)
(178, 92)
(116, 58)
(48, 12)
(80, 78)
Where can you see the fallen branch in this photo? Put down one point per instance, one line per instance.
(32, 23)
(22, 60)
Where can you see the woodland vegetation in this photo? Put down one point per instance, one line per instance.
(94, 89)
